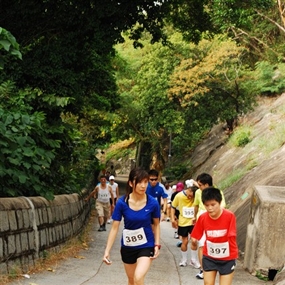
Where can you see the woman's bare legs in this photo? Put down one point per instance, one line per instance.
(136, 272)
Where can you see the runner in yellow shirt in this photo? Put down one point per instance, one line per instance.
(183, 201)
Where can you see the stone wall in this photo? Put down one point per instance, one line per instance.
(265, 247)
(31, 226)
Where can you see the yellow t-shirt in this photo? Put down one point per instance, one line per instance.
(186, 209)
(198, 202)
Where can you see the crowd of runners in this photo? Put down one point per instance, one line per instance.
(203, 229)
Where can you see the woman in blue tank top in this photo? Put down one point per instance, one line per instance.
(140, 239)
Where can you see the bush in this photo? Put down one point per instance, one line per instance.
(270, 79)
(240, 137)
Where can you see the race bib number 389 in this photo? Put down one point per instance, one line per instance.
(218, 250)
(134, 237)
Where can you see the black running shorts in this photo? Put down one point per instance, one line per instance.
(130, 255)
(224, 267)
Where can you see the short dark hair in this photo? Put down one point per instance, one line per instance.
(205, 178)
(211, 193)
(153, 172)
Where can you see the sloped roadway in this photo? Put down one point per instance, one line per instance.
(89, 269)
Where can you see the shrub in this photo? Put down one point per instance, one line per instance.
(240, 137)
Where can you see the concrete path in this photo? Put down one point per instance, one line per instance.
(89, 270)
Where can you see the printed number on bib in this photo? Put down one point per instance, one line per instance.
(188, 212)
(218, 250)
(134, 237)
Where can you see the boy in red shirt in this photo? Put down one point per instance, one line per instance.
(220, 250)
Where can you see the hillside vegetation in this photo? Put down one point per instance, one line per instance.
(253, 155)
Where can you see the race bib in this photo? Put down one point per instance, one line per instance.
(134, 237)
(188, 212)
(218, 250)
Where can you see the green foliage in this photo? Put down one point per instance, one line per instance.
(9, 44)
(175, 172)
(254, 24)
(69, 49)
(241, 136)
(32, 161)
(261, 276)
(213, 83)
(269, 78)
(191, 18)
(147, 113)
(118, 153)
(235, 176)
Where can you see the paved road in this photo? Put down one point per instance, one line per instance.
(89, 270)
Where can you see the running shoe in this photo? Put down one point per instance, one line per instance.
(179, 243)
(194, 263)
(176, 235)
(200, 275)
(183, 263)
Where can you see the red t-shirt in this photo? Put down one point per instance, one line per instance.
(220, 235)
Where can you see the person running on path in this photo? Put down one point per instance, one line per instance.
(140, 239)
(204, 180)
(115, 189)
(156, 190)
(219, 226)
(184, 202)
(102, 194)
(168, 190)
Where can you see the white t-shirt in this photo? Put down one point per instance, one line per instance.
(114, 188)
(169, 192)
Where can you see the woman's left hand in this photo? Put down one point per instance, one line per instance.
(156, 253)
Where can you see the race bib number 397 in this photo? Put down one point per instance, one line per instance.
(218, 250)
(134, 237)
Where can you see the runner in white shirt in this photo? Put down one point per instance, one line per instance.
(115, 190)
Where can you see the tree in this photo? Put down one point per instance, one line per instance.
(148, 114)
(256, 24)
(214, 82)
(67, 77)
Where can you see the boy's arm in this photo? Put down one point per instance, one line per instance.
(172, 216)
(196, 209)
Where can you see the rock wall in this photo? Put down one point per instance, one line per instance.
(31, 226)
(265, 232)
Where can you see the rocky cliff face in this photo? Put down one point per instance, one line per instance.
(237, 169)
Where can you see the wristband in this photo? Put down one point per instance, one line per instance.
(158, 245)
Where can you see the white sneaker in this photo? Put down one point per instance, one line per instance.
(109, 221)
(176, 235)
(194, 263)
(183, 263)
(200, 275)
